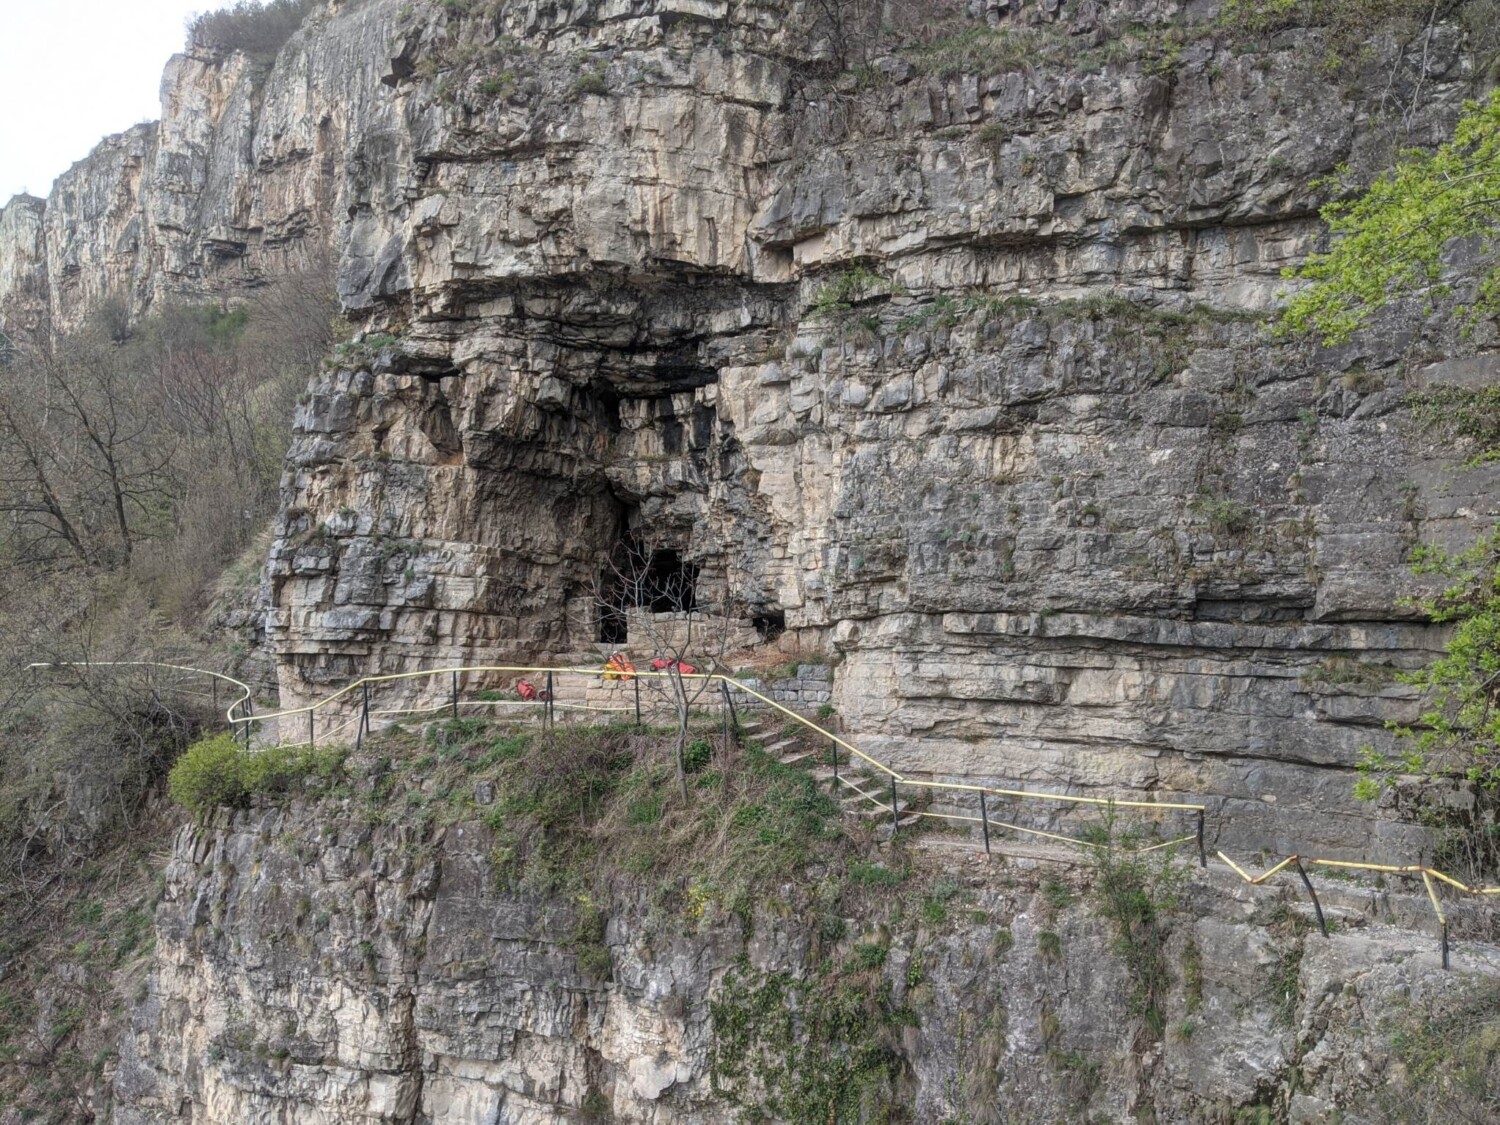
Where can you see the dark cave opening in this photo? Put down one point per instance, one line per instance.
(638, 577)
(769, 624)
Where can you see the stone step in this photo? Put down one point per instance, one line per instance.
(800, 755)
(778, 747)
(884, 831)
(863, 806)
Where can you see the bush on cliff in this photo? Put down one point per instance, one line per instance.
(1456, 738)
(217, 771)
(1393, 239)
(257, 29)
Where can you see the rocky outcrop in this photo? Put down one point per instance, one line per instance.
(952, 359)
(310, 963)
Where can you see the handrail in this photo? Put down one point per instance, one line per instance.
(229, 714)
(1427, 874)
(704, 676)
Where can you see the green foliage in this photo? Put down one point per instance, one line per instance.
(595, 1109)
(217, 771)
(1192, 974)
(1049, 945)
(452, 733)
(1471, 415)
(934, 906)
(1138, 894)
(1390, 240)
(354, 355)
(68, 956)
(1224, 516)
(1058, 894)
(697, 755)
(864, 874)
(838, 300)
(590, 80)
(1457, 735)
(934, 912)
(1003, 942)
(258, 29)
(1347, 671)
(1284, 985)
(1450, 1061)
(644, 810)
(565, 800)
(986, 51)
(209, 774)
(809, 1051)
(589, 924)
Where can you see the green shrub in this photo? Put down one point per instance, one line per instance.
(873, 875)
(698, 754)
(257, 29)
(210, 773)
(217, 771)
(645, 810)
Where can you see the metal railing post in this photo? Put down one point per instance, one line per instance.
(834, 746)
(1443, 938)
(895, 815)
(364, 716)
(637, 681)
(311, 734)
(731, 719)
(984, 819)
(1312, 894)
(1202, 855)
(249, 718)
(551, 713)
(455, 695)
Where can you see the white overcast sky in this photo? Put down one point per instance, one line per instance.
(74, 71)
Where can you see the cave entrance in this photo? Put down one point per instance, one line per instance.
(770, 624)
(671, 585)
(614, 629)
(655, 579)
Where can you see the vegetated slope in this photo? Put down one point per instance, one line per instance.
(485, 919)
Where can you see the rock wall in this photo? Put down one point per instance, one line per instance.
(952, 358)
(311, 964)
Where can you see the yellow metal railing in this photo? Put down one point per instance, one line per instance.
(240, 716)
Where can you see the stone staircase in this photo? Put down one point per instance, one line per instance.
(861, 791)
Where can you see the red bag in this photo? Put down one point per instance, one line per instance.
(661, 664)
(526, 691)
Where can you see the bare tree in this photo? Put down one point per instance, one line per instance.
(648, 595)
(83, 470)
(156, 447)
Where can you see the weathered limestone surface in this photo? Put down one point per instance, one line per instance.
(1070, 515)
(311, 966)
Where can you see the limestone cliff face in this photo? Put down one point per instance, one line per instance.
(951, 358)
(314, 966)
(242, 179)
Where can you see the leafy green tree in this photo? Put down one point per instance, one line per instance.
(1457, 736)
(1390, 241)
